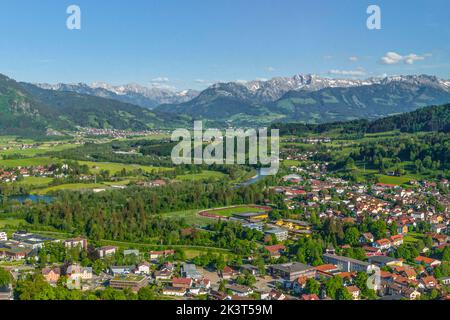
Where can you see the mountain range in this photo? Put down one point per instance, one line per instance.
(29, 110)
(147, 97)
(33, 108)
(312, 99)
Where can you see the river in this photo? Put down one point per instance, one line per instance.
(260, 174)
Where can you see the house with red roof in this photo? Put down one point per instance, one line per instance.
(182, 282)
(354, 292)
(309, 297)
(227, 273)
(396, 240)
(155, 255)
(382, 244)
(428, 262)
(428, 282)
(275, 250)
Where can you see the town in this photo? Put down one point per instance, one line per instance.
(406, 238)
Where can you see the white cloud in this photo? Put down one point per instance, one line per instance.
(241, 81)
(410, 59)
(353, 59)
(270, 69)
(391, 58)
(353, 73)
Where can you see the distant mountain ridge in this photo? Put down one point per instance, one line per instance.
(147, 97)
(32, 109)
(28, 110)
(309, 98)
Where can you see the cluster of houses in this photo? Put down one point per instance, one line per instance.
(404, 207)
(12, 145)
(118, 134)
(13, 174)
(307, 188)
(282, 281)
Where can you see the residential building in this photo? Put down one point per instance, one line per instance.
(240, 290)
(428, 282)
(182, 282)
(445, 281)
(279, 233)
(428, 262)
(51, 275)
(366, 238)
(77, 271)
(156, 255)
(396, 240)
(275, 250)
(227, 273)
(106, 251)
(174, 291)
(382, 244)
(354, 291)
(162, 274)
(309, 297)
(76, 243)
(142, 268)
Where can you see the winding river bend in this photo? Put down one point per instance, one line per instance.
(260, 174)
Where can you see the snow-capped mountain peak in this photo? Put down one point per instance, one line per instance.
(134, 93)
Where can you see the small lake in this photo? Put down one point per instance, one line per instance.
(32, 198)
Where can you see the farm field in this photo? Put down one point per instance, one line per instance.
(81, 186)
(70, 186)
(28, 162)
(41, 149)
(394, 180)
(11, 222)
(114, 167)
(35, 181)
(204, 175)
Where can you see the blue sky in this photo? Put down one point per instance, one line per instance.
(192, 43)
